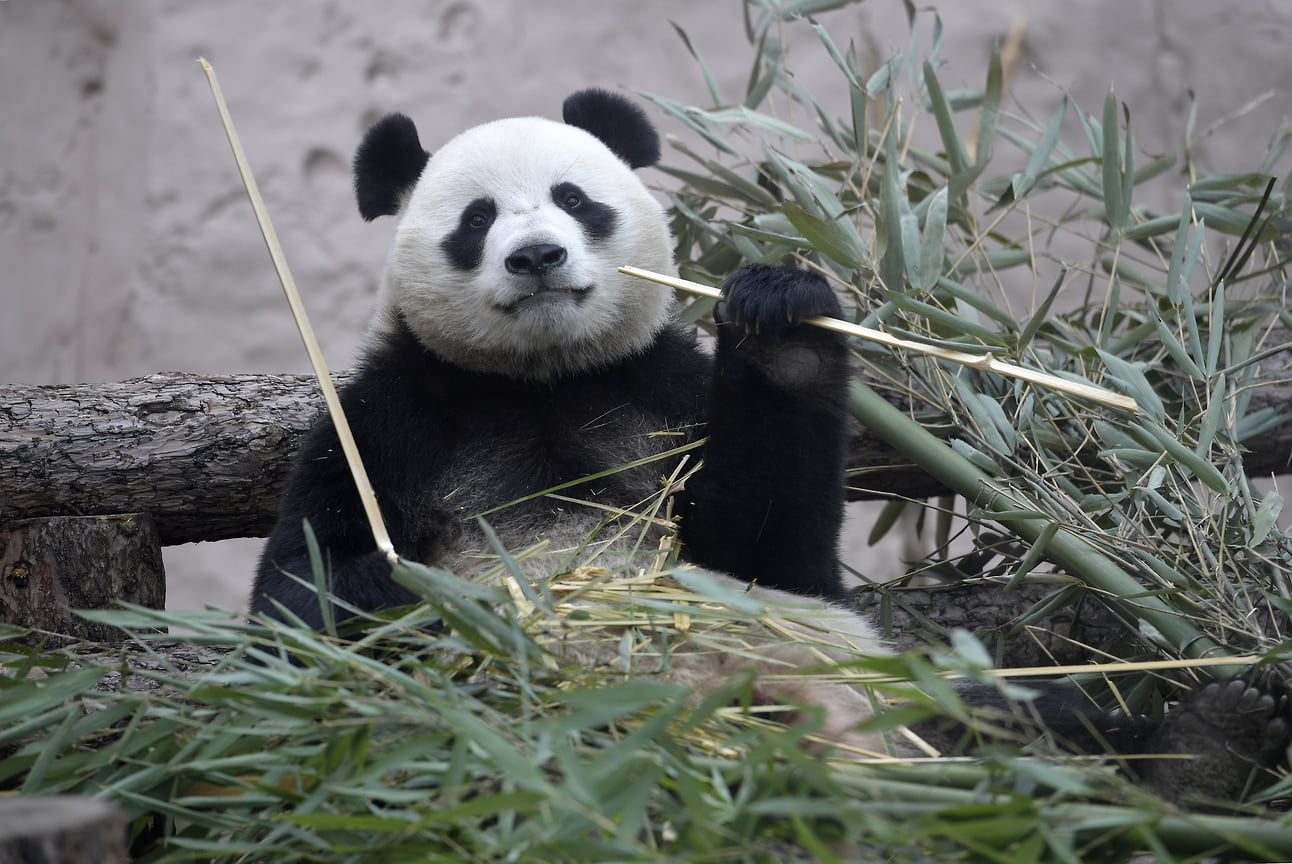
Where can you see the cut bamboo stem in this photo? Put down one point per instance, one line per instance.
(348, 447)
(981, 362)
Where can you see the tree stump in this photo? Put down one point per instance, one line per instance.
(61, 829)
(54, 565)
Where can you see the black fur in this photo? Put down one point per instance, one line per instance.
(620, 124)
(465, 246)
(597, 218)
(387, 165)
(769, 504)
(421, 422)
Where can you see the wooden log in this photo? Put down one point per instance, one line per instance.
(61, 829)
(208, 456)
(54, 565)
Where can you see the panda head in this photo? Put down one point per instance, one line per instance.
(505, 259)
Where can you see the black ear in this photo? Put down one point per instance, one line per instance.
(387, 165)
(621, 125)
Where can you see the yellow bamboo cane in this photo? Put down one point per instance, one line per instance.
(982, 362)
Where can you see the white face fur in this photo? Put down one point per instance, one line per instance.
(505, 257)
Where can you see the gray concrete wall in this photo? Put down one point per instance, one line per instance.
(128, 246)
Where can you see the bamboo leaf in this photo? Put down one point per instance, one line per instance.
(933, 248)
(837, 239)
(952, 143)
(1116, 207)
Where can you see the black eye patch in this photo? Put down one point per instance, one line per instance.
(465, 245)
(598, 220)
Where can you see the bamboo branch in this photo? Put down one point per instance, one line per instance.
(350, 449)
(981, 362)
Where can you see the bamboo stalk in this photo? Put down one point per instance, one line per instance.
(351, 450)
(981, 362)
(1066, 548)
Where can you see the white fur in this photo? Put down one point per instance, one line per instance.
(515, 163)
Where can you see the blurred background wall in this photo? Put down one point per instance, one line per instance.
(127, 245)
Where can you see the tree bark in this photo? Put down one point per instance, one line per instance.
(61, 829)
(208, 456)
(54, 565)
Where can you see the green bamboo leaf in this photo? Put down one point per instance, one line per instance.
(1221, 218)
(1211, 417)
(1128, 169)
(1134, 382)
(858, 104)
(892, 266)
(1158, 166)
(1150, 228)
(933, 248)
(838, 240)
(1174, 348)
(974, 299)
(724, 184)
(715, 95)
(1267, 516)
(805, 185)
(1115, 207)
(39, 697)
(990, 110)
(1033, 556)
(1042, 312)
(882, 80)
(980, 260)
(1023, 183)
(941, 318)
(887, 518)
(1200, 467)
(686, 116)
(854, 85)
(1163, 506)
(742, 116)
(1215, 329)
(952, 143)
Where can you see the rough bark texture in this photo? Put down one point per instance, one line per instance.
(914, 617)
(61, 829)
(206, 456)
(51, 566)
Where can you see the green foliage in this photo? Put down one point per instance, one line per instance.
(457, 730)
(928, 232)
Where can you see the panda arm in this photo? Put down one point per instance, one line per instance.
(767, 505)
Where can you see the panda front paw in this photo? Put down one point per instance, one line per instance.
(764, 300)
(1234, 734)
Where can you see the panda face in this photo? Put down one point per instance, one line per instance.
(505, 260)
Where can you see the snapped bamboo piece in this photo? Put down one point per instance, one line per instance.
(981, 362)
(348, 447)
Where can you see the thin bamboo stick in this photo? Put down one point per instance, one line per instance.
(366, 493)
(982, 362)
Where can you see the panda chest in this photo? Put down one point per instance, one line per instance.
(502, 452)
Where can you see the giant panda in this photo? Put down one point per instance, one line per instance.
(509, 356)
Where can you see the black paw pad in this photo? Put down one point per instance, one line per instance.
(763, 299)
(1232, 733)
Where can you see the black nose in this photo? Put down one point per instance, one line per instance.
(536, 259)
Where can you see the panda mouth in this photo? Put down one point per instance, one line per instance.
(545, 295)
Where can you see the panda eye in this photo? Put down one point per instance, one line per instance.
(571, 200)
(478, 220)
